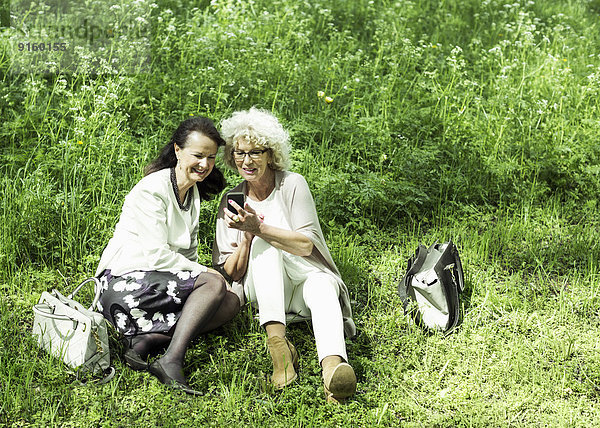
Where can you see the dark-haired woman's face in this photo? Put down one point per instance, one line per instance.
(197, 158)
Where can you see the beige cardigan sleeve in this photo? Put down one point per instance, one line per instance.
(302, 216)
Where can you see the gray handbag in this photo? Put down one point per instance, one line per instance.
(431, 287)
(72, 333)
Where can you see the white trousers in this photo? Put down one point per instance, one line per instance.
(280, 283)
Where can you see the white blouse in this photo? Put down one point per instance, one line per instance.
(153, 233)
(272, 210)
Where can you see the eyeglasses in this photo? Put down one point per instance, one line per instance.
(239, 155)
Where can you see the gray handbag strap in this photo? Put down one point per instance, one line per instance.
(107, 374)
(414, 264)
(39, 309)
(97, 291)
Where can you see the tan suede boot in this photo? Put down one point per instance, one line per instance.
(339, 381)
(285, 361)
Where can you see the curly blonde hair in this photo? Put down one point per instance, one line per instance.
(261, 127)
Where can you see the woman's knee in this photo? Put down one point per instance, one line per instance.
(264, 254)
(320, 288)
(231, 303)
(212, 282)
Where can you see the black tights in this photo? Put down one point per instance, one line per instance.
(209, 306)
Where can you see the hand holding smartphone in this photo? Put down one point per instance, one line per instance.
(238, 197)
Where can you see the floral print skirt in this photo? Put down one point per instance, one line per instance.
(144, 302)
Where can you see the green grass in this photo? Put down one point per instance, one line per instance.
(474, 121)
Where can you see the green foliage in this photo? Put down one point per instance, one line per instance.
(430, 103)
(412, 121)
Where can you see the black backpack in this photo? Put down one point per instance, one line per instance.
(431, 286)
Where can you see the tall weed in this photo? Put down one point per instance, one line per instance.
(413, 121)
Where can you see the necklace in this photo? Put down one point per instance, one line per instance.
(187, 203)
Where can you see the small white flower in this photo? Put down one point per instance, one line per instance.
(140, 318)
(171, 287)
(133, 286)
(144, 324)
(120, 286)
(158, 317)
(126, 286)
(130, 301)
(183, 275)
(121, 321)
(171, 319)
(138, 313)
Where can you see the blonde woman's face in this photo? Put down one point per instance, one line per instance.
(252, 161)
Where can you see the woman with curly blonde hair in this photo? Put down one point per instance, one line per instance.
(273, 248)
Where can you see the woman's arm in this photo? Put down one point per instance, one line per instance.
(286, 240)
(231, 249)
(236, 264)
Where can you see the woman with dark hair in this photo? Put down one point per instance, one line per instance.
(154, 290)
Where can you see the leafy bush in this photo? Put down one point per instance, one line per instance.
(471, 112)
(412, 121)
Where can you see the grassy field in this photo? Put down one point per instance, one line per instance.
(412, 121)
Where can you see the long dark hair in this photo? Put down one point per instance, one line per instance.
(215, 182)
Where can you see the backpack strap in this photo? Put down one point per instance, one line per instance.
(449, 268)
(414, 264)
(451, 258)
(458, 268)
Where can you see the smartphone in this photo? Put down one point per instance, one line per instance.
(238, 197)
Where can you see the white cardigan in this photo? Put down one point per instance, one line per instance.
(153, 233)
(301, 214)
